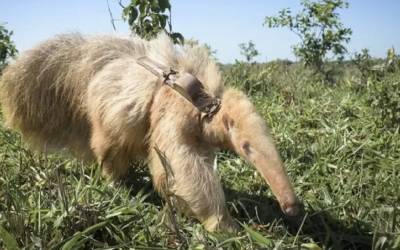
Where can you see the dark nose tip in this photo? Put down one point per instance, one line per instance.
(291, 209)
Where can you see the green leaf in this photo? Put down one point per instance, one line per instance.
(122, 211)
(258, 238)
(8, 240)
(133, 14)
(177, 37)
(163, 20)
(164, 4)
(198, 247)
(95, 227)
(75, 242)
(311, 246)
(143, 7)
(154, 6)
(71, 244)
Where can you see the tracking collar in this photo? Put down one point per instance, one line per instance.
(187, 85)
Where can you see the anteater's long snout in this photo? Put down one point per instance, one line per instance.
(261, 152)
(270, 166)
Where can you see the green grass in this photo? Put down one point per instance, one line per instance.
(345, 166)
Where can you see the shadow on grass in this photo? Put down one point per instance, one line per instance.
(138, 181)
(261, 210)
(318, 225)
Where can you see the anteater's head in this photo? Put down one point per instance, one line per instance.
(239, 128)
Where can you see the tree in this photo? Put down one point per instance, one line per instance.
(7, 47)
(248, 50)
(147, 18)
(319, 28)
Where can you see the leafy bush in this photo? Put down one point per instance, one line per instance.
(7, 47)
(382, 78)
(319, 28)
(263, 79)
(147, 18)
(375, 70)
(248, 51)
(389, 65)
(245, 77)
(364, 63)
(384, 96)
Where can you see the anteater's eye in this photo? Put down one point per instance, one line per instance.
(246, 147)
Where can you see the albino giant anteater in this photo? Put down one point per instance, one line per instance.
(91, 96)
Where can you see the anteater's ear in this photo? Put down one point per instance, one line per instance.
(227, 121)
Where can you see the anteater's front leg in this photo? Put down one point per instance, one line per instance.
(190, 182)
(181, 163)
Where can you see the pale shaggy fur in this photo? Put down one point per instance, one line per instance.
(88, 95)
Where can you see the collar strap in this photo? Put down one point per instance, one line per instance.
(187, 85)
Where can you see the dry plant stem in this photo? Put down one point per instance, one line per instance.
(165, 192)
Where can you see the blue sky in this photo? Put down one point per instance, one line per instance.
(221, 23)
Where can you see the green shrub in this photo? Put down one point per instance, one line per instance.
(265, 79)
(148, 18)
(249, 51)
(7, 47)
(247, 77)
(364, 64)
(320, 31)
(384, 97)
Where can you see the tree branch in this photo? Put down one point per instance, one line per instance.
(111, 16)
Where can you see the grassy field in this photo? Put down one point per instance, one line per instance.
(340, 144)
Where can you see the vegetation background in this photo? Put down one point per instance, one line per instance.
(335, 118)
